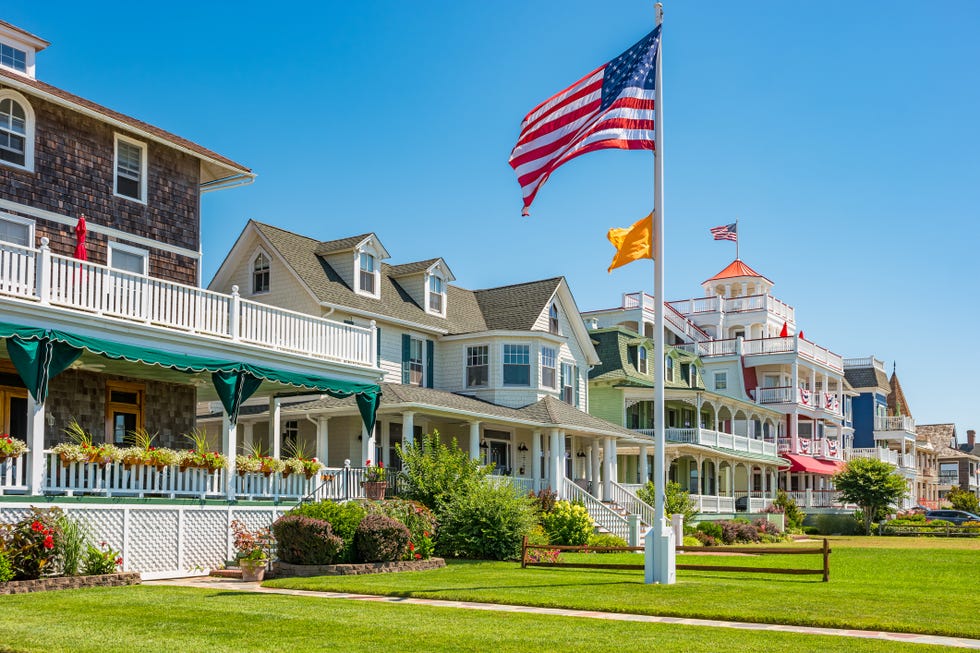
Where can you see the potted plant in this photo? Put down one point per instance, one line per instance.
(11, 447)
(298, 461)
(374, 481)
(82, 449)
(200, 456)
(253, 549)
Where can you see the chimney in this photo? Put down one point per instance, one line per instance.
(971, 438)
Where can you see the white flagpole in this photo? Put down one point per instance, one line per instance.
(736, 233)
(661, 568)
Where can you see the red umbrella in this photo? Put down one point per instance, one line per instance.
(785, 332)
(801, 336)
(80, 231)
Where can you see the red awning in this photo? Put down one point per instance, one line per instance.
(812, 465)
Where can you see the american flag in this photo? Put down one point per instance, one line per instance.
(725, 232)
(611, 107)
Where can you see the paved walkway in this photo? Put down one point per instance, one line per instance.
(207, 582)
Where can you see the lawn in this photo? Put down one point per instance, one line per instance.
(929, 589)
(145, 618)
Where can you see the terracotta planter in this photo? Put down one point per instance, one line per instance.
(375, 490)
(252, 570)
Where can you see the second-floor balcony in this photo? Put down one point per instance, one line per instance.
(748, 303)
(815, 400)
(819, 447)
(894, 426)
(711, 438)
(949, 478)
(62, 283)
(885, 455)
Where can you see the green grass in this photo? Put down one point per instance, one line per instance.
(873, 586)
(145, 618)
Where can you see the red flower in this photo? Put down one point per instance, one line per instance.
(368, 463)
(49, 542)
(381, 464)
(418, 555)
(119, 561)
(36, 526)
(425, 533)
(411, 547)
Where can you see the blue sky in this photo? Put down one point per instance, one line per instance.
(843, 136)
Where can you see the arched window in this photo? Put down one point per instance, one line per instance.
(553, 319)
(641, 359)
(669, 373)
(16, 130)
(260, 274)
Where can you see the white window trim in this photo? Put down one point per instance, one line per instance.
(29, 59)
(29, 137)
(115, 167)
(466, 366)
(251, 271)
(428, 293)
(556, 367)
(377, 272)
(9, 217)
(129, 249)
(720, 375)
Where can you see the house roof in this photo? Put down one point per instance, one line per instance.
(613, 347)
(516, 307)
(40, 43)
(341, 244)
(736, 269)
(867, 377)
(941, 436)
(411, 268)
(897, 403)
(36, 87)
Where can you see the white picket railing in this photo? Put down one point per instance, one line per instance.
(713, 504)
(877, 453)
(712, 438)
(13, 478)
(631, 503)
(522, 484)
(77, 285)
(895, 423)
(601, 514)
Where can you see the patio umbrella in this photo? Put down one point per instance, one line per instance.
(785, 332)
(80, 231)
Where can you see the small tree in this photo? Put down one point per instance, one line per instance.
(433, 471)
(872, 484)
(676, 500)
(963, 500)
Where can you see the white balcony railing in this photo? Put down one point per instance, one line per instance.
(52, 279)
(711, 504)
(877, 453)
(825, 401)
(711, 438)
(13, 475)
(816, 498)
(736, 304)
(895, 423)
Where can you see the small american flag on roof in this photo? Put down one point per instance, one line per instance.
(725, 232)
(611, 107)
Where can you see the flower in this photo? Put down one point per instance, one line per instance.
(418, 556)
(411, 547)
(119, 561)
(49, 542)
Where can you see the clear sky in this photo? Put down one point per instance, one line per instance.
(843, 135)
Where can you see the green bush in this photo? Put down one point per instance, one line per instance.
(690, 540)
(306, 541)
(31, 543)
(787, 505)
(487, 521)
(433, 472)
(381, 539)
(6, 570)
(100, 560)
(962, 500)
(838, 524)
(342, 517)
(606, 539)
(568, 524)
(676, 500)
(420, 521)
(710, 528)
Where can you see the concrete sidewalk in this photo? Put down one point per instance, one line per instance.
(207, 582)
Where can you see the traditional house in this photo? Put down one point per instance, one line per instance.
(720, 448)
(958, 466)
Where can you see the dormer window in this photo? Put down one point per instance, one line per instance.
(553, 319)
(670, 368)
(437, 295)
(260, 274)
(130, 178)
(368, 276)
(11, 57)
(641, 360)
(16, 130)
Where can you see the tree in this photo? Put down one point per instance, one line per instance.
(963, 500)
(676, 499)
(433, 471)
(872, 484)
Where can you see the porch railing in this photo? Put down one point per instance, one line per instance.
(631, 503)
(816, 498)
(13, 477)
(895, 423)
(56, 280)
(713, 504)
(604, 516)
(877, 453)
(522, 484)
(711, 438)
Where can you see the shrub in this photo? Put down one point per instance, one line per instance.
(705, 539)
(676, 499)
(306, 541)
(6, 569)
(545, 499)
(420, 521)
(342, 517)
(568, 524)
(488, 521)
(31, 543)
(737, 531)
(690, 540)
(710, 528)
(962, 500)
(606, 539)
(537, 535)
(766, 527)
(787, 504)
(381, 539)
(434, 472)
(70, 546)
(838, 524)
(100, 560)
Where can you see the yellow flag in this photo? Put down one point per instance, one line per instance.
(632, 243)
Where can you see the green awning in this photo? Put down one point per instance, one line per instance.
(41, 354)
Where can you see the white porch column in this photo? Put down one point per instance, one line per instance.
(408, 428)
(475, 440)
(608, 456)
(536, 458)
(595, 462)
(275, 427)
(229, 446)
(588, 462)
(322, 439)
(385, 454)
(248, 433)
(368, 446)
(644, 466)
(35, 442)
(554, 464)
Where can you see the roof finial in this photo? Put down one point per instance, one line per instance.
(894, 365)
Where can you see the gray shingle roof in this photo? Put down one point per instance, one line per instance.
(411, 268)
(867, 377)
(340, 245)
(940, 435)
(507, 307)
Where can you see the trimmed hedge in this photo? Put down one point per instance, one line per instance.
(306, 541)
(381, 539)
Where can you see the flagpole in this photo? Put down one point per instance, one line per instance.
(736, 240)
(656, 569)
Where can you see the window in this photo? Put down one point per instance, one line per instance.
(721, 380)
(477, 366)
(669, 362)
(437, 294)
(124, 409)
(415, 367)
(517, 365)
(368, 275)
(290, 436)
(548, 367)
(553, 319)
(694, 375)
(260, 274)
(128, 259)
(16, 230)
(16, 131)
(130, 176)
(641, 359)
(568, 383)
(11, 57)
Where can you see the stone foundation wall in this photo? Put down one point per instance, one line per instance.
(69, 583)
(284, 569)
